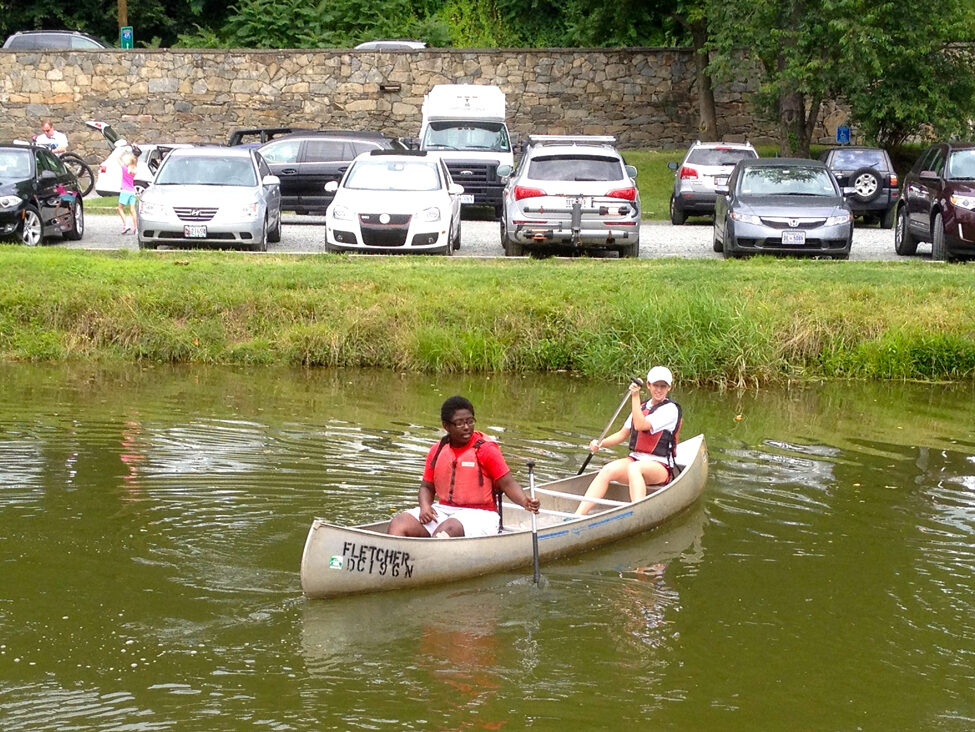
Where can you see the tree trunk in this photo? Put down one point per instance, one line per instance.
(708, 127)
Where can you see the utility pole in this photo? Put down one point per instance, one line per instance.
(123, 13)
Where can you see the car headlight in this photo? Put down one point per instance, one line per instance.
(746, 218)
(10, 201)
(250, 210)
(151, 208)
(965, 202)
(430, 214)
(840, 218)
(342, 213)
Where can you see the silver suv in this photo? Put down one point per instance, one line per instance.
(705, 165)
(570, 193)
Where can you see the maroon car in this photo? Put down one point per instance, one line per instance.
(937, 203)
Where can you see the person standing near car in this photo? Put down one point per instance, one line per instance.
(126, 196)
(50, 138)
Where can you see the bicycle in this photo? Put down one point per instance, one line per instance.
(78, 167)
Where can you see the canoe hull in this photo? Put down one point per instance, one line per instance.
(347, 560)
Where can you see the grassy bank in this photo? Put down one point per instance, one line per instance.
(729, 322)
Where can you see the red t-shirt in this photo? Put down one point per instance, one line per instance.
(488, 455)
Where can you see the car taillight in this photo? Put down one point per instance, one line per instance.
(893, 180)
(628, 194)
(687, 172)
(101, 168)
(524, 192)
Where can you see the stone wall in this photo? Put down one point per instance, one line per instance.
(644, 96)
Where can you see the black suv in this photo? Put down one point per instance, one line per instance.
(870, 174)
(306, 161)
(39, 196)
(54, 40)
(937, 203)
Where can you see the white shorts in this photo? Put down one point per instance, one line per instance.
(476, 521)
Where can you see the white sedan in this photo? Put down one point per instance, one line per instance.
(394, 201)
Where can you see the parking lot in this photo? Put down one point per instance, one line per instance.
(306, 234)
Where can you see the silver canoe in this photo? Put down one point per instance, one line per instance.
(340, 560)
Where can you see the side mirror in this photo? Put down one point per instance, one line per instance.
(331, 186)
(271, 180)
(631, 171)
(673, 166)
(455, 189)
(504, 171)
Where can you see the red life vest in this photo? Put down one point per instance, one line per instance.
(663, 443)
(461, 482)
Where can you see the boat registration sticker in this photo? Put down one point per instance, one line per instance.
(335, 562)
(794, 237)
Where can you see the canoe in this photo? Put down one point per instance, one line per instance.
(340, 560)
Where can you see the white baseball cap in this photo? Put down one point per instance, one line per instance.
(660, 373)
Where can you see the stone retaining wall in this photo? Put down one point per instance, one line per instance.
(645, 96)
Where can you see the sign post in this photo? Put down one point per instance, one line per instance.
(126, 37)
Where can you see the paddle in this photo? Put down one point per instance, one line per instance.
(531, 492)
(626, 398)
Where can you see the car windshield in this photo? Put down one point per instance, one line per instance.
(785, 181)
(961, 164)
(575, 167)
(14, 164)
(198, 170)
(466, 136)
(719, 155)
(852, 159)
(393, 175)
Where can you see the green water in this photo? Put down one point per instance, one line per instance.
(152, 520)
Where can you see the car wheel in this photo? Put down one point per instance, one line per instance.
(904, 242)
(866, 184)
(457, 235)
(145, 244)
(77, 229)
(31, 230)
(887, 220)
(938, 251)
(261, 244)
(715, 241)
(511, 248)
(629, 250)
(677, 215)
(274, 236)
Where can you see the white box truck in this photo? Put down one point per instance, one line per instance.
(465, 124)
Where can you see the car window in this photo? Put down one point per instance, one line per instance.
(207, 171)
(719, 156)
(14, 165)
(575, 167)
(852, 159)
(961, 164)
(937, 162)
(361, 147)
(393, 175)
(785, 181)
(283, 151)
(317, 151)
(47, 161)
(262, 167)
(82, 42)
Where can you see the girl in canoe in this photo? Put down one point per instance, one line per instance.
(652, 429)
(463, 471)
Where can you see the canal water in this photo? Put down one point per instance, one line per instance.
(152, 521)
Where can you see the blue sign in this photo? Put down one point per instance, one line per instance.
(843, 134)
(126, 37)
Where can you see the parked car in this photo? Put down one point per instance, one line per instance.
(211, 196)
(391, 45)
(870, 173)
(394, 201)
(149, 156)
(52, 40)
(782, 206)
(705, 165)
(571, 193)
(257, 136)
(306, 161)
(39, 196)
(937, 203)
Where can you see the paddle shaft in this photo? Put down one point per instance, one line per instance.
(531, 492)
(626, 398)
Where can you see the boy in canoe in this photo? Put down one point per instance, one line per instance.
(463, 471)
(652, 429)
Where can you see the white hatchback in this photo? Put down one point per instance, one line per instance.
(393, 201)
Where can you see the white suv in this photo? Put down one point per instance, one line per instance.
(705, 165)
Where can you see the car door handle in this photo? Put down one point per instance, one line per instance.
(288, 171)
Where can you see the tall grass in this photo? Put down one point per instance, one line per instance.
(724, 322)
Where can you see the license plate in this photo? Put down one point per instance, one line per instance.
(467, 198)
(197, 231)
(794, 237)
(722, 181)
(584, 202)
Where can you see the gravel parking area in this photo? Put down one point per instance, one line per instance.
(305, 235)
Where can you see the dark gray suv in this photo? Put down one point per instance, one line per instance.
(869, 175)
(54, 40)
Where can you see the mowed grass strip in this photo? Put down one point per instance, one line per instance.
(730, 322)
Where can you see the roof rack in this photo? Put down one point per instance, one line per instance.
(400, 153)
(571, 140)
